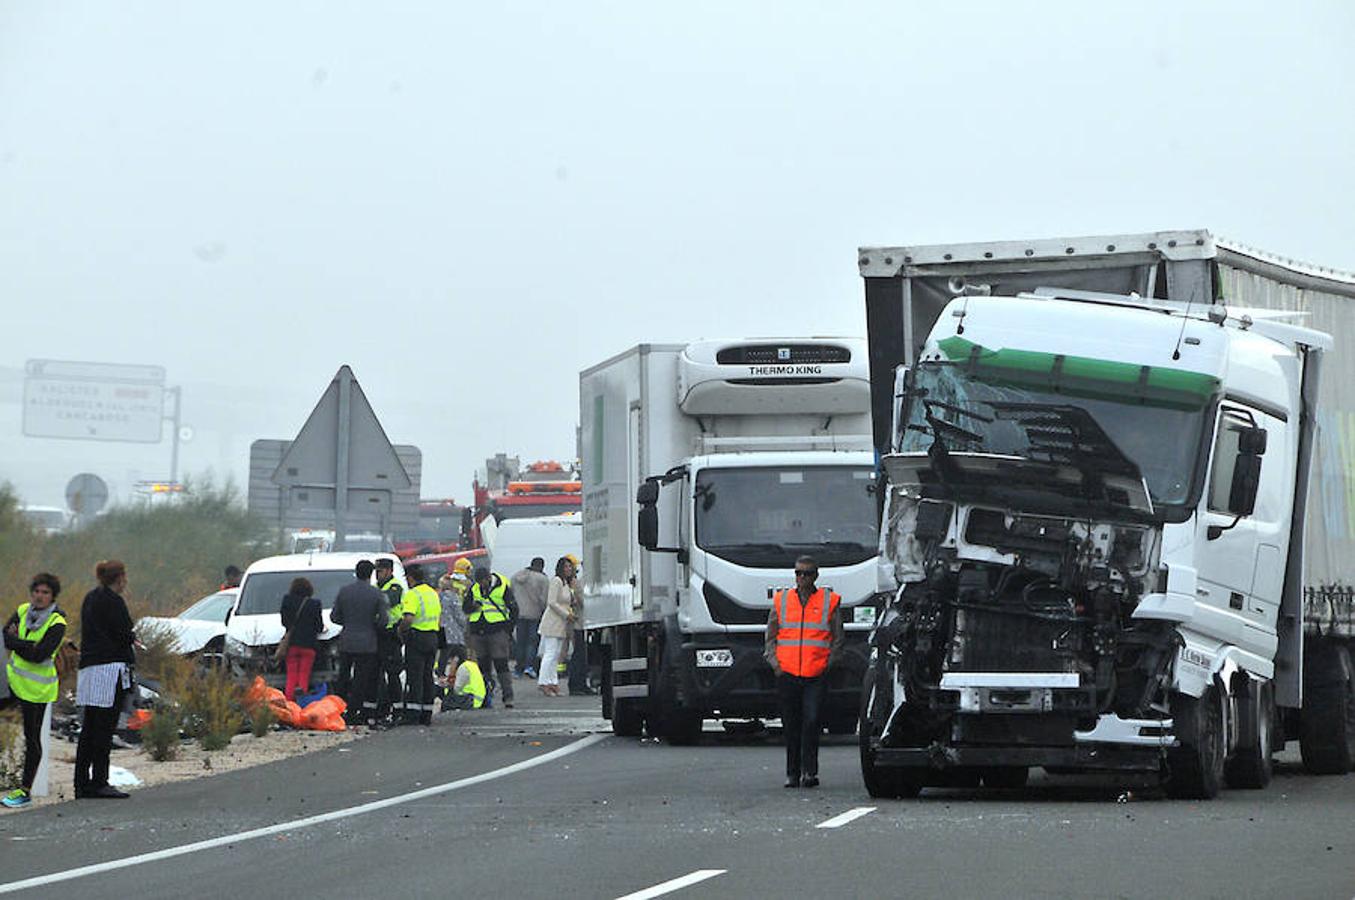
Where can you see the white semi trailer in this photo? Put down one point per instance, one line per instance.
(741, 456)
(1117, 512)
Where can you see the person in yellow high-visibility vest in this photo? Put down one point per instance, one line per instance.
(420, 622)
(33, 635)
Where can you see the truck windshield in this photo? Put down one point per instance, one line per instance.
(1118, 417)
(765, 517)
(262, 592)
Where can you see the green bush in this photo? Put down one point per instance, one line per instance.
(160, 736)
(261, 720)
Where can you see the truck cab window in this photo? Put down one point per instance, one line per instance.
(1232, 423)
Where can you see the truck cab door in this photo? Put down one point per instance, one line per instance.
(1238, 534)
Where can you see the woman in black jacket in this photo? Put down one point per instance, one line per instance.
(106, 660)
(301, 617)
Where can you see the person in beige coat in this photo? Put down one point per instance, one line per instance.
(556, 622)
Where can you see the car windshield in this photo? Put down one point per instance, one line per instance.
(262, 592)
(765, 517)
(1117, 418)
(211, 608)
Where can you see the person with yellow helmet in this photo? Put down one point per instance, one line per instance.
(33, 635)
(578, 652)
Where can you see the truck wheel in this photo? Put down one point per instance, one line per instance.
(682, 727)
(881, 781)
(628, 719)
(1251, 766)
(1005, 777)
(1195, 767)
(1327, 722)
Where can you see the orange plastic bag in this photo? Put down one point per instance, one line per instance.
(139, 719)
(286, 712)
(325, 714)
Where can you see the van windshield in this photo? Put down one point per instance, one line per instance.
(262, 592)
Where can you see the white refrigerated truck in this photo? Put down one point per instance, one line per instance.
(707, 469)
(1118, 512)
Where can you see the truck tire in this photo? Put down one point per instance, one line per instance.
(1195, 766)
(1251, 765)
(681, 727)
(1327, 721)
(1005, 777)
(628, 718)
(881, 781)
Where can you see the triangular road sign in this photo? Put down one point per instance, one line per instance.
(342, 429)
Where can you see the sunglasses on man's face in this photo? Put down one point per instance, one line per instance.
(806, 573)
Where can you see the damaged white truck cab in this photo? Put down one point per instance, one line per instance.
(1094, 516)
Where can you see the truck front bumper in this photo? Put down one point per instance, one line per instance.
(1089, 757)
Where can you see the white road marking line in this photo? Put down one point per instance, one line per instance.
(283, 827)
(676, 884)
(850, 815)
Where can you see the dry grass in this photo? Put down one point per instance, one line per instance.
(11, 752)
(174, 553)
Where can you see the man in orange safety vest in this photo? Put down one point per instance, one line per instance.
(804, 638)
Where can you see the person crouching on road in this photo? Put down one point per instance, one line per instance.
(467, 689)
(300, 615)
(107, 654)
(390, 693)
(491, 610)
(33, 635)
(804, 638)
(420, 622)
(555, 625)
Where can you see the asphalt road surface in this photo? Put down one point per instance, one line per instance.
(432, 811)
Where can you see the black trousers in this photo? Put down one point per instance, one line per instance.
(96, 742)
(421, 649)
(358, 674)
(578, 663)
(32, 715)
(390, 694)
(525, 641)
(801, 700)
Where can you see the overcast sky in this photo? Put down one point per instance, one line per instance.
(469, 204)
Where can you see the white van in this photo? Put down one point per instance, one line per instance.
(254, 626)
(516, 541)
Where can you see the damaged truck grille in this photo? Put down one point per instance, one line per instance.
(998, 641)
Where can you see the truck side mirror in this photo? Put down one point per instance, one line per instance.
(1252, 441)
(647, 526)
(648, 492)
(1246, 482)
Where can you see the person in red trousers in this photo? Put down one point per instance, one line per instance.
(301, 617)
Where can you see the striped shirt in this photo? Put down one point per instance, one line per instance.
(98, 685)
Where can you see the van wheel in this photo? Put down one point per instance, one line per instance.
(1327, 722)
(1195, 767)
(1251, 766)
